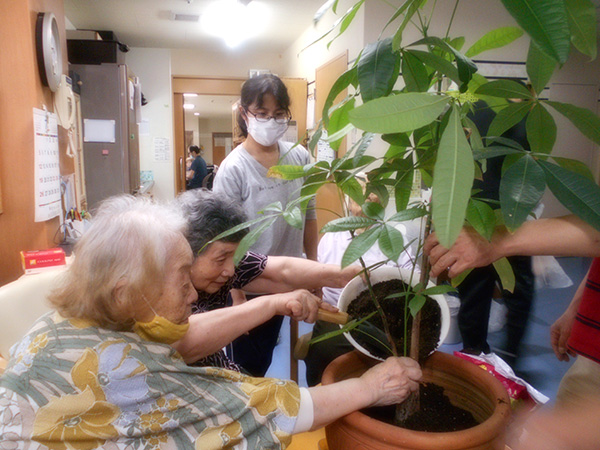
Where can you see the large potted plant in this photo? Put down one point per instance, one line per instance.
(416, 95)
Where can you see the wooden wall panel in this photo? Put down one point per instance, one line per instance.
(20, 91)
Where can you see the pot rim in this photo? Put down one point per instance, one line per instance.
(385, 273)
(477, 435)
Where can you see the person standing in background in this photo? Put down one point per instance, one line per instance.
(263, 118)
(197, 171)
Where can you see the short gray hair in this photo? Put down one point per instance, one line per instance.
(130, 239)
(209, 215)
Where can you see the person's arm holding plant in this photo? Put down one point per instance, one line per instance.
(561, 236)
(284, 273)
(387, 383)
(212, 330)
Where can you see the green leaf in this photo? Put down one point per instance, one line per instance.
(294, 217)
(378, 69)
(504, 89)
(466, 67)
(455, 282)
(541, 130)
(339, 121)
(508, 118)
(404, 181)
(408, 214)
(314, 140)
(341, 84)
(397, 139)
(576, 192)
(346, 20)
(505, 273)
(414, 6)
(454, 171)
(286, 172)
(582, 23)
(521, 189)
(437, 63)
(360, 245)
(540, 67)
(585, 120)
(249, 240)
(347, 224)
(494, 39)
(398, 113)
(438, 290)
(481, 216)
(414, 73)
(233, 230)
(353, 189)
(391, 242)
(373, 210)
(546, 22)
(574, 165)
(416, 303)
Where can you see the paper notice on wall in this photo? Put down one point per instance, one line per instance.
(162, 149)
(324, 150)
(46, 163)
(291, 134)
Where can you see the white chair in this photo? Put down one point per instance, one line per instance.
(21, 303)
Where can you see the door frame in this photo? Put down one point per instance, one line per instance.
(200, 86)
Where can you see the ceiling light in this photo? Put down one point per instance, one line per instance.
(188, 106)
(196, 113)
(190, 94)
(235, 21)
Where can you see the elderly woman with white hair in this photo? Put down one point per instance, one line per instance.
(100, 370)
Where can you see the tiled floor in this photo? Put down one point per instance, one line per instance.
(538, 365)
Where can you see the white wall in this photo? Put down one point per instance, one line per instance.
(234, 63)
(153, 67)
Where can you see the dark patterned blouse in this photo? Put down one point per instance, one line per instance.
(250, 267)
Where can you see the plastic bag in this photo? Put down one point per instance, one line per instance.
(522, 395)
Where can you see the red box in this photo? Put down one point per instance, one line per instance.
(39, 260)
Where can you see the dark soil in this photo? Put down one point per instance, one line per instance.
(396, 310)
(436, 413)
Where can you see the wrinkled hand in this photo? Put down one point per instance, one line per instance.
(469, 251)
(392, 381)
(560, 331)
(300, 305)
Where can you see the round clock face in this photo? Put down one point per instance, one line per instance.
(49, 51)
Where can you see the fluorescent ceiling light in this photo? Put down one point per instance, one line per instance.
(190, 94)
(188, 106)
(234, 21)
(196, 113)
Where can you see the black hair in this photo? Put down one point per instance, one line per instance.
(194, 149)
(208, 215)
(253, 91)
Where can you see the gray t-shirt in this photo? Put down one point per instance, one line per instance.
(244, 179)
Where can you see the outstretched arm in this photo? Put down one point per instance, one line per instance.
(387, 383)
(284, 273)
(212, 330)
(562, 236)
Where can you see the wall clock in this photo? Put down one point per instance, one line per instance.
(49, 51)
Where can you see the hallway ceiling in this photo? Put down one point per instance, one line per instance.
(149, 23)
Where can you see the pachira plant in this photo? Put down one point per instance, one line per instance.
(417, 96)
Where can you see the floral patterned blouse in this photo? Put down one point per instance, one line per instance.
(250, 267)
(72, 385)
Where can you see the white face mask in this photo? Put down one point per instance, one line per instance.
(266, 133)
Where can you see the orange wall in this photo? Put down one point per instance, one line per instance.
(20, 91)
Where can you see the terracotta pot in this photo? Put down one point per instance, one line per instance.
(466, 385)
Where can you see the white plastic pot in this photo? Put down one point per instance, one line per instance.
(385, 273)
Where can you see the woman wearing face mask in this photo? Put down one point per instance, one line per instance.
(263, 117)
(99, 372)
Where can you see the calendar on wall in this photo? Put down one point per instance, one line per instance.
(47, 168)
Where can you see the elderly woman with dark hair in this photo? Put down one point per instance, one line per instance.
(214, 274)
(100, 371)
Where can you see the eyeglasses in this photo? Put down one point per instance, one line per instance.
(281, 117)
